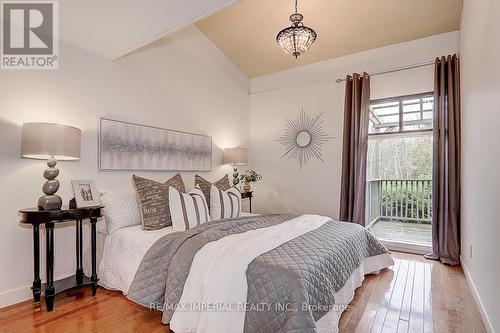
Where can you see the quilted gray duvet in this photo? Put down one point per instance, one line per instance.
(295, 282)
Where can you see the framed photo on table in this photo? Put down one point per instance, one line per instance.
(86, 194)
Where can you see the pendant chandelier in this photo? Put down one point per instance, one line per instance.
(297, 38)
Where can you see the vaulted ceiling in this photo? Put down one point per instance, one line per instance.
(246, 31)
(114, 28)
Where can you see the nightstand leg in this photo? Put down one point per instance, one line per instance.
(49, 290)
(37, 283)
(250, 199)
(79, 252)
(93, 278)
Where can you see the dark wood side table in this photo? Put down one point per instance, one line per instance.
(247, 195)
(37, 217)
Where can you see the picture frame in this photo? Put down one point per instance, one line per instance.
(86, 194)
(127, 146)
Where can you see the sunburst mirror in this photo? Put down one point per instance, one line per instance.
(303, 138)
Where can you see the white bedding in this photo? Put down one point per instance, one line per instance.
(120, 253)
(218, 275)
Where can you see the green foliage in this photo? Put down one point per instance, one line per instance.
(402, 165)
(411, 200)
(250, 176)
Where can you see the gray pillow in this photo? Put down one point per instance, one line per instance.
(205, 186)
(153, 201)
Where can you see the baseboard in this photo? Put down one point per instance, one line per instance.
(14, 296)
(21, 294)
(484, 315)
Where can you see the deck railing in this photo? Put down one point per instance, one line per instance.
(399, 199)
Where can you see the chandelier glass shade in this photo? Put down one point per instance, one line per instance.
(297, 38)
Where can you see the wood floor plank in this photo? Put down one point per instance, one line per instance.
(378, 322)
(391, 321)
(362, 303)
(406, 305)
(366, 322)
(428, 315)
(403, 326)
(440, 312)
(415, 295)
(417, 301)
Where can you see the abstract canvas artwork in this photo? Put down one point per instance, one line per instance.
(128, 146)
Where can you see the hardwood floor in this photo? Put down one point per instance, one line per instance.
(415, 295)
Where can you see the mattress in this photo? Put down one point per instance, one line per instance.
(120, 253)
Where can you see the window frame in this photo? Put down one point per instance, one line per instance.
(400, 100)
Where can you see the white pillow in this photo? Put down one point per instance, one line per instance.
(187, 210)
(120, 210)
(224, 204)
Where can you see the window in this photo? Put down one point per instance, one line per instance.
(402, 114)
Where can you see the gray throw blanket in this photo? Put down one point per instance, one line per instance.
(295, 281)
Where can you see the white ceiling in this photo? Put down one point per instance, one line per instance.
(114, 28)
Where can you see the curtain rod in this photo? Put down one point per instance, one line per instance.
(390, 70)
(395, 69)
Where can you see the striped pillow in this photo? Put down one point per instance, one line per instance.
(224, 204)
(187, 210)
(205, 185)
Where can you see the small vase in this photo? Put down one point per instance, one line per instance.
(246, 187)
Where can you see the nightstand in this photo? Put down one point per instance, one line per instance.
(49, 218)
(248, 195)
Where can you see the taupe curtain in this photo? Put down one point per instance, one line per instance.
(446, 159)
(354, 150)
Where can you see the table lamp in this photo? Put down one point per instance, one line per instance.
(235, 157)
(51, 142)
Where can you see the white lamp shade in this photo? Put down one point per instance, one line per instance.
(43, 140)
(235, 156)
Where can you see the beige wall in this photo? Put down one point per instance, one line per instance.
(181, 83)
(276, 97)
(480, 70)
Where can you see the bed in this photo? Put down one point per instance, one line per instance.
(254, 273)
(119, 253)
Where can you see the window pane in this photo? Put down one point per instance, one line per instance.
(417, 125)
(411, 101)
(384, 117)
(386, 108)
(411, 107)
(428, 105)
(410, 116)
(397, 157)
(417, 113)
